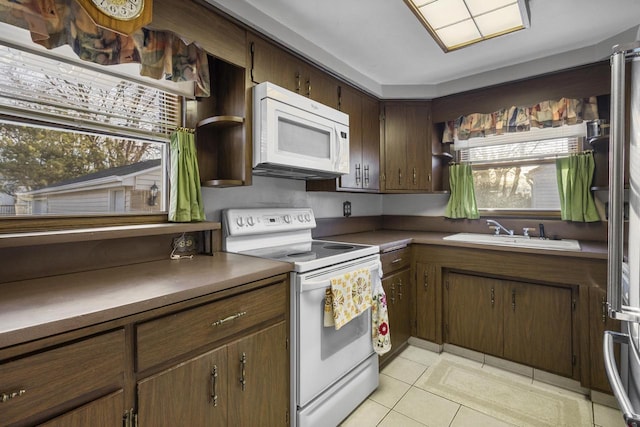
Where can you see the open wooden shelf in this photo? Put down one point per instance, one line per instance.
(222, 183)
(443, 156)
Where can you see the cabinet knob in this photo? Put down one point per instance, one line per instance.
(4, 397)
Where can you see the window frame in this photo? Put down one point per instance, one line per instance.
(526, 213)
(61, 222)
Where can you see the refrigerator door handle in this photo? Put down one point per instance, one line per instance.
(621, 54)
(631, 417)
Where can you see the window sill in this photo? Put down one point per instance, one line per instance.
(10, 240)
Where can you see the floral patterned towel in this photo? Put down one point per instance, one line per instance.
(380, 334)
(348, 296)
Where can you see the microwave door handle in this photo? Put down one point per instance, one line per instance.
(630, 416)
(335, 130)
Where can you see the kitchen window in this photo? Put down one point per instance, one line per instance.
(516, 171)
(80, 139)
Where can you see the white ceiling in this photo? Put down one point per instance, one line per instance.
(380, 46)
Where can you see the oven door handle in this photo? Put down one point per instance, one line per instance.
(312, 285)
(315, 285)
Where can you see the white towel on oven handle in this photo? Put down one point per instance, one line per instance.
(380, 334)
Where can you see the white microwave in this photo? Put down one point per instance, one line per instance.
(296, 137)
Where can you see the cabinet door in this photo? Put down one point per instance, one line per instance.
(321, 87)
(426, 301)
(418, 158)
(269, 63)
(193, 393)
(537, 326)
(474, 313)
(351, 103)
(370, 144)
(397, 289)
(103, 412)
(259, 378)
(599, 322)
(395, 146)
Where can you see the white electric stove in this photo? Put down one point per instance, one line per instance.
(332, 371)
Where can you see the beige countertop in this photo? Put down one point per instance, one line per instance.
(32, 309)
(390, 239)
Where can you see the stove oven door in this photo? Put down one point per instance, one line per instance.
(325, 355)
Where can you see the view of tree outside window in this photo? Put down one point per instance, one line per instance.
(528, 187)
(47, 171)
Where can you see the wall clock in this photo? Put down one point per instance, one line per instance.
(121, 16)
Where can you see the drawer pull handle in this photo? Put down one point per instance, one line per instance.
(227, 319)
(243, 365)
(396, 260)
(11, 395)
(214, 380)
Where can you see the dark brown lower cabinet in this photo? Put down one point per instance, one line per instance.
(397, 287)
(426, 286)
(523, 322)
(106, 411)
(243, 383)
(191, 393)
(474, 314)
(537, 326)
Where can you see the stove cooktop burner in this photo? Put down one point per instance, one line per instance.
(304, 251)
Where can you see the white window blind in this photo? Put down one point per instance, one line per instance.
(63, 94)
(537, 144)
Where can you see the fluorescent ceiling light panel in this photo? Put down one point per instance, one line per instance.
(458, 23)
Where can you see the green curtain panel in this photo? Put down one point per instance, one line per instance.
(575, 174)
(185, 197)
(462, 202)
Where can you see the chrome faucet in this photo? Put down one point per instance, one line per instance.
(499, 227)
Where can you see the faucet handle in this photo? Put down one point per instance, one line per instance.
(526, 230)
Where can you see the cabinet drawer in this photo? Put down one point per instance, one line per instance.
(395, 260)
(53, 377)
(171, 336)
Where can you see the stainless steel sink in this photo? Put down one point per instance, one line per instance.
(516, 241)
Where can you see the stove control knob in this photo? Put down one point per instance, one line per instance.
(240, 221)
(250, 222)
(307, 217)
(301, 218)
(287, 219)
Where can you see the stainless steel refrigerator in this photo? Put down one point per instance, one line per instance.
(623, 285)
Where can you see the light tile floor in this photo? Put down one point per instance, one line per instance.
(398, 402)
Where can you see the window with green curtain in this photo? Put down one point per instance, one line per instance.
(575, 174)
(462, 202)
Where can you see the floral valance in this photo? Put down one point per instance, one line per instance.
(162, 54)
(545, 114)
